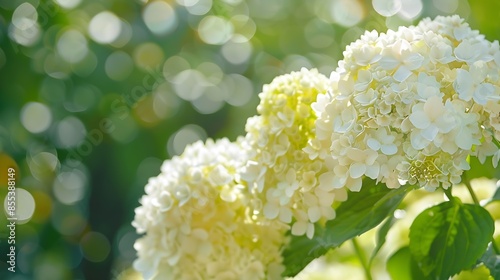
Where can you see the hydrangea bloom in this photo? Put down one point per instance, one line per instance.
(198, 222)
(411, 106)
(287, 184)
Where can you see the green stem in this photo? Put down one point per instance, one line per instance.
(476, 201)
(448, 193)
(471, 191)
(362, 258)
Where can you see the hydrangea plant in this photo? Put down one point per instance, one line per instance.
(328, 159)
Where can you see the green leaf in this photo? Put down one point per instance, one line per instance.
(302, 250)
(381, 236)
(361, 212)
(450, 237)
(492, 262)
(402, 266)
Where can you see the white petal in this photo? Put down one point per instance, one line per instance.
(271, 211)
(165, 201)
(449, 147)
(357, 170)
(251, 171)
(310, 231)
(463, 84)
(419, 119)
(285, 215)
(430, 132)
(389, 149)
(356, 155)
(314, 214)
(355, 185)
(373, 170)
(328, 212)
(326, 181)
(434, 108)
(461, 32)
(482, 92)
(373, 143)
(402, 74)
(464, 140)
(299, 228)
(325, 198)
(388, 62)
(417, 141)
(339, 182)
(413, 61)
(465, 51)
(495, 159)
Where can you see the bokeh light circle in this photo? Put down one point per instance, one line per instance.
(160, 17)
(24, 205)
(105, 27)
(69, 187)
(95, 246)
(119, 65)
(237, 53)
(240, 89)
(215, 30)
(36, 117)
(410, 9)
(70, 132)
(24, 16)
(446, 6)
(202, 7)
(189, 84)
(188, 134)
(173, 66)
(68, 4)
(210, 101)
(244, 28)
(148, 55)
(347, 12)
(72, 46)
(387, 8)
(43, 165)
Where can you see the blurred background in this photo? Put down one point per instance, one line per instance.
(95, 95)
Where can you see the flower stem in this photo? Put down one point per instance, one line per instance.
(362, 258)
(448, 193)
(472, 193)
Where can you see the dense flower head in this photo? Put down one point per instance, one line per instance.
(287, 184)
(411, 106)
(198, 222)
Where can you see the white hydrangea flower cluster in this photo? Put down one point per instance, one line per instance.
(198, 221)
(411, 106)
(288, 185)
